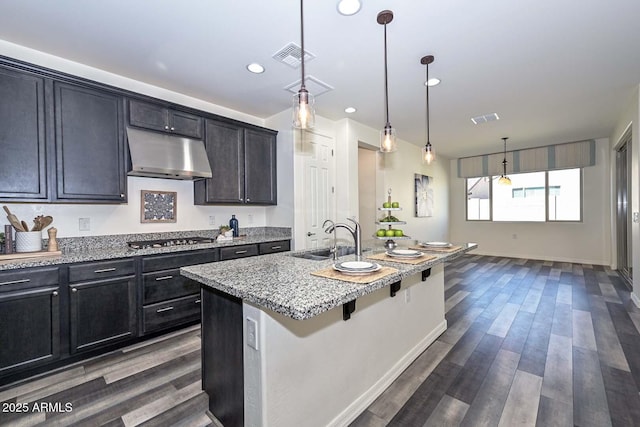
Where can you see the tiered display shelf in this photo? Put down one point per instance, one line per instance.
(390, 240)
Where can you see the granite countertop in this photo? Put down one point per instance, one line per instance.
(283, 283)
(102, 248)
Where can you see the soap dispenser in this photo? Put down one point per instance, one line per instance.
(233, 223)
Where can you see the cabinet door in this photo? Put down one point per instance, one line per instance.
(22, 137)
(91, 159)
(224, 145)
(149, 116)
(102, 312)
(260, 167)
(30, 332)
(185, 124)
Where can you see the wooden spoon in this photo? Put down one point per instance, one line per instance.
(37, 223)
(45, 221)
(25, 225)
(13, 220)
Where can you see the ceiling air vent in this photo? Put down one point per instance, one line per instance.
(291, 55)
(313, 85)
(485, 118)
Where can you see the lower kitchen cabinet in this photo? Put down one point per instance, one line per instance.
(29, 319)
(170, 313)
(102, 311)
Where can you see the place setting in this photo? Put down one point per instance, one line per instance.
(355, 271)
(437, 246)
(406, 256)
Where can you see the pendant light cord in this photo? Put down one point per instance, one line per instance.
(427, 103)
(302, 86)
(386, 84)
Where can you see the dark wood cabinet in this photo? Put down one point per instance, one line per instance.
(243, 165)
(273, 247)
(29, 319)
(23, 162)
(89, 143)
(161, 118)
(102, 310)
(168, 298)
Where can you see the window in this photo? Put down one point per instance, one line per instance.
(533, 197)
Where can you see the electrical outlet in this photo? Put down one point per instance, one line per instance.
(250, 219)
(635, 217)
(514, 236)
(407, 295)
(212, 220)
(252, 333)
(84, 224)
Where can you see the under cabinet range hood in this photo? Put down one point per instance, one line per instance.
(156, 155)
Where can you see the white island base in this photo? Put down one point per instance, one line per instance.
(322, 371)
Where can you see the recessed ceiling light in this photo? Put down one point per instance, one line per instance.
(349, 7)
(255, 68)
(433, 81)
(485, 118)
(350, 110)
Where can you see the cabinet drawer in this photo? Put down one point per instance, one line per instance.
(170, 313)
(170, 261)
(167, 284)
(100, 270)
(27, 278)
(273, 247)
(238, 252)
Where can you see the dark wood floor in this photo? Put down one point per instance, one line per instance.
(528, 343)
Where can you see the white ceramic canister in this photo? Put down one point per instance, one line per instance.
(28, 241)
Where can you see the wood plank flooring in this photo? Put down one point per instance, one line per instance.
(528, 343)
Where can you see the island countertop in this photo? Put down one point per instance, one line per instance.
(283, 282)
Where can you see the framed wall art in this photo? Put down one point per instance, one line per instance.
(424, 195)
(158, 206)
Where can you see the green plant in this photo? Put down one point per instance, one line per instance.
(1, 237)
(224, 228)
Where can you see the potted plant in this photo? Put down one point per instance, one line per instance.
(226, 231)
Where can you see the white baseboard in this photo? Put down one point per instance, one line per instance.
(358, 406)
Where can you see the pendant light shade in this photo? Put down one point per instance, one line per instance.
(304, 115)
(387, 134)
(428, 155)
(504, 179)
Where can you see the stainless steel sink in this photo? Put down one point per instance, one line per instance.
(325, 253)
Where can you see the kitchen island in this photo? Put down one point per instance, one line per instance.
(283, 347)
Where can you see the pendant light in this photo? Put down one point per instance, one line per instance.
(304, 116)
(428, 155)
(388, 134)
(504, 179)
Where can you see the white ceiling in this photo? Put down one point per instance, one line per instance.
(554, 71)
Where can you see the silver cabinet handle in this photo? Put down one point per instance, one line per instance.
(241, 252)
(160, 310)
(309, 234)
(248, 199)
(15, 282)
(241, 199)
(172, 128)
(197, 301)
(276, 247)
(122, 195)
(163, 278)
(166, 128)
(55, 293)
(74, 289)
(105, 270)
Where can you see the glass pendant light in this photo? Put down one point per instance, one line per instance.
(304, 115)
(504, 179)
(388, 134)
(428, 154)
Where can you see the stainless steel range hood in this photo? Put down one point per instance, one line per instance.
(156, 155)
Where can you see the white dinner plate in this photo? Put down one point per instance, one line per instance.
(375, 268)
(437, 244)
(404, 253)
(356, 265)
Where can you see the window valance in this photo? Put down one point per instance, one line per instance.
(559, 156)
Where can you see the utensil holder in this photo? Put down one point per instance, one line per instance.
(28, 241)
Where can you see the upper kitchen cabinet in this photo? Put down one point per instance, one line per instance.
(243, 165)
(164, 119)
(91, 158)
(23, 162)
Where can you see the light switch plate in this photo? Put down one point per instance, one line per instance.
(635, 217)
(84, 224)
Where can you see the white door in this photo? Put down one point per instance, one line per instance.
(319, 191)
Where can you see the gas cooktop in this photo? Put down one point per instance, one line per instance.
(146, 244)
